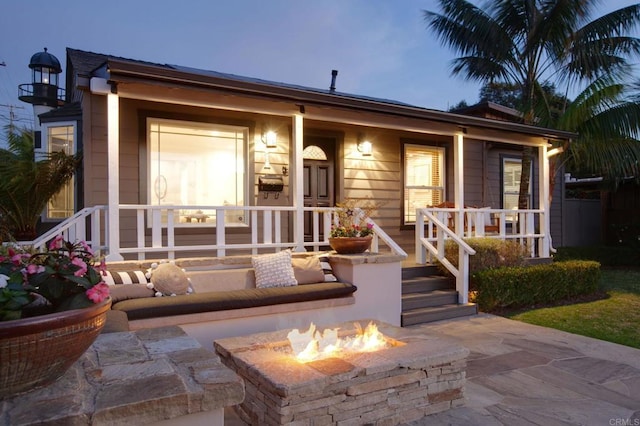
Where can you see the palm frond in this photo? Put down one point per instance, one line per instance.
(27, 184)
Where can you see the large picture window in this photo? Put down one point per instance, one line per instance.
(61, 138)
(423, 179)
(197, 164)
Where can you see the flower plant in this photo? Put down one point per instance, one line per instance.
(61, 278)
(351, 219)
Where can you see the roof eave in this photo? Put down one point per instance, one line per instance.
(122, 68)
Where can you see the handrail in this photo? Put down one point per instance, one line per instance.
(74, 229)
(424, 244)
(379, 234)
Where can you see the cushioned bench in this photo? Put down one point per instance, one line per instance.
(151, 307)
(223, 289)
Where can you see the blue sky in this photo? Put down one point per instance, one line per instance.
(380, 47)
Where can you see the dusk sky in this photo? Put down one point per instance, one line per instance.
(381, 48)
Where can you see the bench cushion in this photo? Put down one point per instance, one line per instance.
(151, 307)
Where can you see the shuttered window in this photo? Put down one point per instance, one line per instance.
(423, 179)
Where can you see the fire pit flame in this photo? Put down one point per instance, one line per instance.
(313, 344)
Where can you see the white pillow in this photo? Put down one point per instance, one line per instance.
(274, 270)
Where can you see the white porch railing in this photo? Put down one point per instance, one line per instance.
(75, 229)
(524, 226)
(169, 231)
(433, 242)
(440, 224)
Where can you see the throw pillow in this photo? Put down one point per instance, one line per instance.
(126, 277)
(274, 270)
(327, 269)
(169, 280)
(307, 270)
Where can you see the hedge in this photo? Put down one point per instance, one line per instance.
(515, 287)
(614, 256)
(490, 253)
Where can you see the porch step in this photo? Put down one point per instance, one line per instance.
(428, 296)
(413, 301)
(426, 284)
(420, 271)
(431, 314)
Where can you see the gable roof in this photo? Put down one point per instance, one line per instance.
(88, 64)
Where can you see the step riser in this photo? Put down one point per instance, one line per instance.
(430, 284)
(427, 317)
(419, 271)
(428, 301)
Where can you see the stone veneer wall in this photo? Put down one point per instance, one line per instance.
(390, 387)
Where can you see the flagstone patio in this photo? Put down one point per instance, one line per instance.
(524, 374)
(520, 374)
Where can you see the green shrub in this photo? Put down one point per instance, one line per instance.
(514, 287)
(606, 255)
(490, 253)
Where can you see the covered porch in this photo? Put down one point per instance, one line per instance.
(415, 158)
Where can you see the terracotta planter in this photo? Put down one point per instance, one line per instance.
(350, 245)
(36, 351)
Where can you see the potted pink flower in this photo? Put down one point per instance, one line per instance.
(53, 304)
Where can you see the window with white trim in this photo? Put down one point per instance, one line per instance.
(61, 138)
(423, 178)
(196, 164)
(511, 174)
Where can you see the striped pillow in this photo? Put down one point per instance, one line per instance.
(126, 277)
(327, 269)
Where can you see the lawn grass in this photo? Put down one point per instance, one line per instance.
(614, 318)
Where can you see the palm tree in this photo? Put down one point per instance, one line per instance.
(534, 43)
(606, 115)
(27, 184)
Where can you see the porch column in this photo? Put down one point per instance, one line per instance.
(458, 181)
(113, 176)
(545, 205)
(296, 181)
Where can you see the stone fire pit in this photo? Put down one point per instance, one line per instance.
(417, 376)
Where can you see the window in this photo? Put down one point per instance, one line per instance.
(61, 138)
(423, 179)
(511, 172)
(197, 164)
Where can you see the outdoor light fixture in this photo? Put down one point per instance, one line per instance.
(270, 139)
(365, 148)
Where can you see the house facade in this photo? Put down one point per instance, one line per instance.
(174, 155)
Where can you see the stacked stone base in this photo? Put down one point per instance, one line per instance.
(417, 377)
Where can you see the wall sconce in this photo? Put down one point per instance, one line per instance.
(365, 148)
(270, 139)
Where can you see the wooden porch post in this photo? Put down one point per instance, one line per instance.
(296, 181)
(545, 219)
(458, 182)
(113, 177)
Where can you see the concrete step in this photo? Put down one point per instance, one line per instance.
(422, 284)
(428, 299)
(431, 314)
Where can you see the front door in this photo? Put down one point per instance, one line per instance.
(318, 172)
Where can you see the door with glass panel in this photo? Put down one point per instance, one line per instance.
(318, 182)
